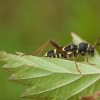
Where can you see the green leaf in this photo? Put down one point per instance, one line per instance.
(53, 78)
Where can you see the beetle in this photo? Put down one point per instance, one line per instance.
(69, 51)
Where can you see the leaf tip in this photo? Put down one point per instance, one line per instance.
(23, 96)
(11, 78)
(4, 67)
(19, 53)
(72, 34)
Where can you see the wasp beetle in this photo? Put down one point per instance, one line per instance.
(69, 51)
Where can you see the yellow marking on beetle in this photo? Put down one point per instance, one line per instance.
(88, 47)
(78, 46)
(60, 55)
(82, 51)
(71, 46)
(63, 49)
(55, 55)
(69, 53)
(45, 55)
(76, 51)
(52, 57)
(55, 50)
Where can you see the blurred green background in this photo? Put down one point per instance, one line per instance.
(25, 25)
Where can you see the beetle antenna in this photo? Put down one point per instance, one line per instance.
(96, 44)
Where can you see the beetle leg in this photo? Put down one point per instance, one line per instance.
(88, 60)
(76, 63)
(53, 43)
